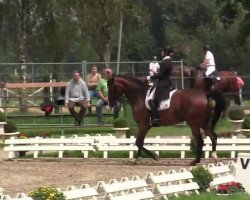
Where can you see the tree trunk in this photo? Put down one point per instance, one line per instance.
(23, 54)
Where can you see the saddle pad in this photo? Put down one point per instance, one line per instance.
(163, 104)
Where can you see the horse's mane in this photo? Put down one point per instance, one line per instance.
(140, 84)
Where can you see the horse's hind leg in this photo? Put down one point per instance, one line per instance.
(199, 145)
(213, 138)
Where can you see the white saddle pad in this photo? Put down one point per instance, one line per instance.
(163, 104)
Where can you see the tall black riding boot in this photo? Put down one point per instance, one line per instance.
(155, 121)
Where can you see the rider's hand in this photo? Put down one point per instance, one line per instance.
(148, 78)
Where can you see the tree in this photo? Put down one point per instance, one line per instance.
(100, 21)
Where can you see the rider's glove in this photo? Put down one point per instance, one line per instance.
(148, 78)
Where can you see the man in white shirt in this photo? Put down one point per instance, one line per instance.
(208, 63)
(154, 67)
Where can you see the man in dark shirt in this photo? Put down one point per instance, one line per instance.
(163, 84)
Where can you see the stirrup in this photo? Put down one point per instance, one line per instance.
(155, 122)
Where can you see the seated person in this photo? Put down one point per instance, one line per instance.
(77, 94)
(102, 89)
(92, 80)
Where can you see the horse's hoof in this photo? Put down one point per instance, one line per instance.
(156, 157)
(216, 160)
(193, 163)
(136, 161)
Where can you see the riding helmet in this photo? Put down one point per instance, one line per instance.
(168, 50)
(206, 47)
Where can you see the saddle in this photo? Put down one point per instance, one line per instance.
(163, 104)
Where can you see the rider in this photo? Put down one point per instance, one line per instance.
(208, 63)
(163, 84)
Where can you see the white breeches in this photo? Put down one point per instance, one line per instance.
(210, 70)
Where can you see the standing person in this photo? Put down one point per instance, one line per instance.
(77, 94)
(163, 84)
(92, 80)
(102, 88)
(153, 67)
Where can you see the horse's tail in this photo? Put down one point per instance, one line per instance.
(219, 108)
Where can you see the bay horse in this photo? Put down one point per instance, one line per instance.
(187, 105)
(227, 84)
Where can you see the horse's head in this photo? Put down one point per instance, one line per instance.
(114, 92)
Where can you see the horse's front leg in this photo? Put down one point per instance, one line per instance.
(140, 142)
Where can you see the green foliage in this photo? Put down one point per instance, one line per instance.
(120, 123)
(10, 127)
(246, 123)
(46, 192)
(202, 176)
(2, 117)
(213, 196)
(133, 131)
(236, 113)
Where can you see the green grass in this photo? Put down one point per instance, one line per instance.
(213, 196)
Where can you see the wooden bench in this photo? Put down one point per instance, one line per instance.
(221, 174)
(153, 144)
(233, 145)
(49, 144)
(135, 189)
(80, 193)
(172, 183)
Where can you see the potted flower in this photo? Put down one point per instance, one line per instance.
(47, 192)
(230, 188)
(246, 127)
(120, 125)
(236, 116)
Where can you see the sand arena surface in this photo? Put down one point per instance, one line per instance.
(23, 175)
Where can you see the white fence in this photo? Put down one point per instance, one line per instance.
(110, 143)
(160, 186)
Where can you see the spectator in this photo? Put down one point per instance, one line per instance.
(77, 94)
(102, 89)
(92, 80)
(154, 67)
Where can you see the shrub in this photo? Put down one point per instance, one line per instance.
(2, 117)
(46, 192)
(10, 127)
(246, 123)
(133, 131)
(236, 113)
(202, 176)
(120, 123)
